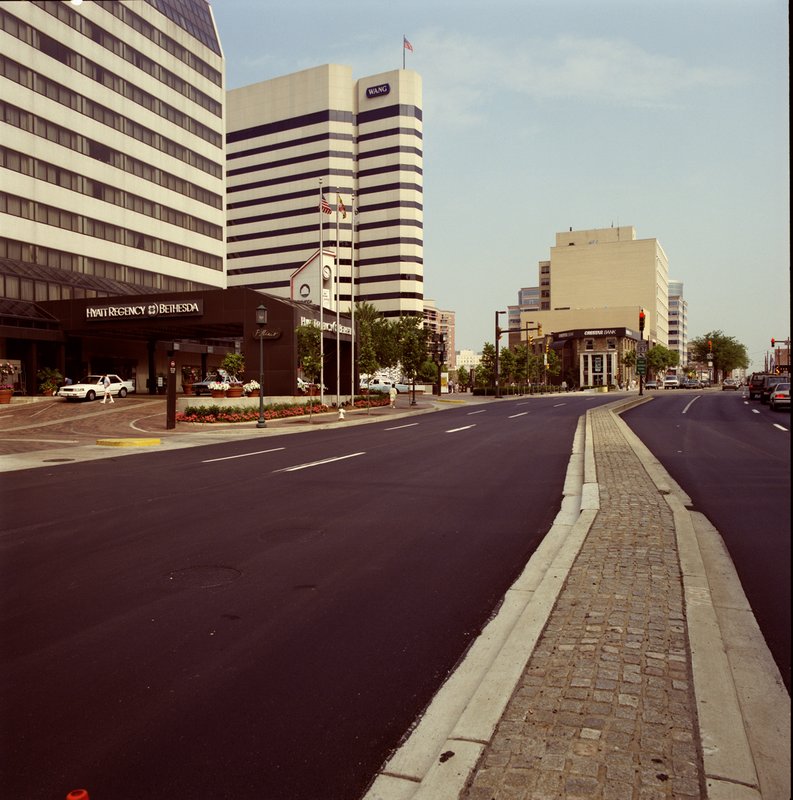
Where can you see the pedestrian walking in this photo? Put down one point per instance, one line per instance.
(106, 384)
(392, 395)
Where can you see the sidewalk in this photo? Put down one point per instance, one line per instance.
(614, 681)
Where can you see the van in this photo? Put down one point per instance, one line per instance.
(755, 385)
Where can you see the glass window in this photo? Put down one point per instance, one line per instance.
(589, 344)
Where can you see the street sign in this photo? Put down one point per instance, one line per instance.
(642, 347)
(641, 366)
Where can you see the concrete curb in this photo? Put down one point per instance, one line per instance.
(442, 750)
(743, 707)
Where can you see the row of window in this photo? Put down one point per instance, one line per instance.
(114, 45)
(41, 170)
(73, 266)
(123, 12)
(312, 209)
(68, 220)
(40, 84)
(268, 251)
(344, 227)
(77, 143)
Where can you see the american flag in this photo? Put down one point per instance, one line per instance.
(406, 44)
(324, 206)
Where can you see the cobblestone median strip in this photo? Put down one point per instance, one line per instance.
(131, 442)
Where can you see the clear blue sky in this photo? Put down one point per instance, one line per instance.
(670, 116)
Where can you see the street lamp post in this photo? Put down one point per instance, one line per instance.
(261, 321)
(498, 337)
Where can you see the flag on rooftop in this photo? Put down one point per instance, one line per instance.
(406, 44)
(341, 207)
(324, 206)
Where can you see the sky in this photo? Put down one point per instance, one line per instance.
(541, 115)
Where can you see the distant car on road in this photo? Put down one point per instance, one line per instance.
(755, 385)
(729, 384)
(780, 397)
(671, 382)
(692, 383)
(91, 387)
(651, 384)
(770, 382)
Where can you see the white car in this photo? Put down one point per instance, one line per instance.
(671, 382)
(91, 387)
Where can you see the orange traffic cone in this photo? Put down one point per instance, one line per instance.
(77, 794)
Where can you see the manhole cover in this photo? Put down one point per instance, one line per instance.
(204, 577)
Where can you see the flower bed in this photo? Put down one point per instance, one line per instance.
(210, 414)
(215, 413)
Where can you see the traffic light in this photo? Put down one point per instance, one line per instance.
(531, 340)
(641, 321)
(539, 330)
(547, 345)
(710, 346)
(773, 341)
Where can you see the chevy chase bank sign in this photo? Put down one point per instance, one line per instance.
(145, 310)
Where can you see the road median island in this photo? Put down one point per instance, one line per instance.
(129, 442)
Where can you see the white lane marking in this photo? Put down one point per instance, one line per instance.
(556, 405)
(471, 413)
(691, 403)
(318, 463)
(242, 455)
(781, 427)
(522, 414)
(755, 411)
(457, 430)
(399, 427)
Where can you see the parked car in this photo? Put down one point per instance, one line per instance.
(378, 385)
(671, 382)
(219, 375)
(770, 382)
(730, 384)
(755, 385)
(692, 383)
(780, 397)
(91, 387)
(651, 384)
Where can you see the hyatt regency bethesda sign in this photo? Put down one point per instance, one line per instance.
(182, 308)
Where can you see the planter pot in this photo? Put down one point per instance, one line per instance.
(47, 392)
(187, 388)
(218, 393)
(5, 396)
(234, 391)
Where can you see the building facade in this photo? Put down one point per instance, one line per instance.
(358, 144)
(678, 322)
(112, 157)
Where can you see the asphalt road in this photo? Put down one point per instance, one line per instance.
(264, 618)
(732, 457)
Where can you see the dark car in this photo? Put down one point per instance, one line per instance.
(769, 384)
(755, 385)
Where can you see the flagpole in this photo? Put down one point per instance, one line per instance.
(352, 300)
(338, 344)
(403, 51)
(321, 293)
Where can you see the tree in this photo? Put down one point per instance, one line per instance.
(660, 359)
(727, 353)
(506, 366)
(462, 377)
(411, 337)
(308, 354)
(486, 371)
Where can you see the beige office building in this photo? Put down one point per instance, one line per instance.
(598, 281)
(363, 140)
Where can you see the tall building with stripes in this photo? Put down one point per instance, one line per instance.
(358, 143)
(112, 151)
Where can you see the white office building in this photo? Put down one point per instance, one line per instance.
(362, 139)
(678, 321)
